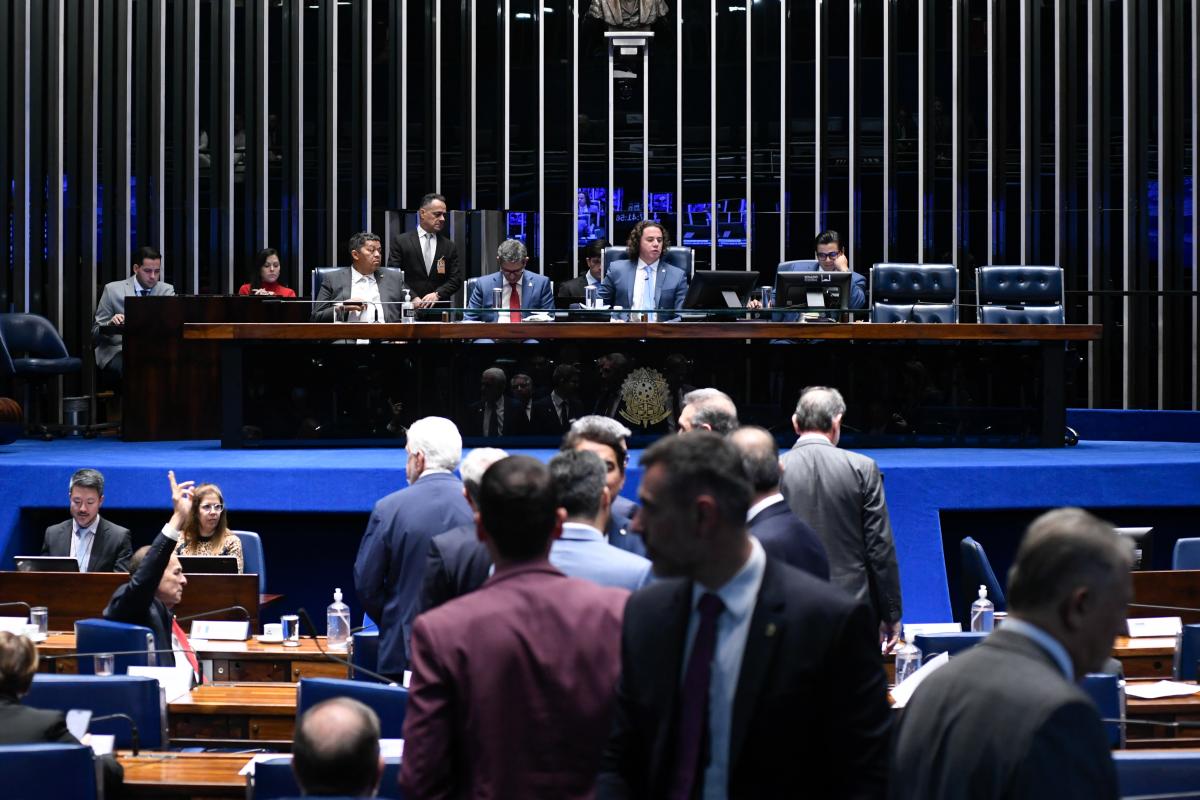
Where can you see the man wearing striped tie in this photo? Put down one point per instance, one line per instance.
(146, 281)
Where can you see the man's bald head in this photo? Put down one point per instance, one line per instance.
(760, 457)
(336, 749)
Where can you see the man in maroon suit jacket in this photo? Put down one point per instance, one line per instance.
(513, 685)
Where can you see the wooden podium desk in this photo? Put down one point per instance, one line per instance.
(195, 775)
(1166, 709)
(235, 714)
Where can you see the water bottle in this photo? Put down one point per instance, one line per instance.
(982, 613)
(337, 623)
(407, 311)
(908, 661)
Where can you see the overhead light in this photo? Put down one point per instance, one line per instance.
(524, 15)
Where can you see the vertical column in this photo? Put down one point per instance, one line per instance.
(749, 139)
(1195, 208)
(541, 155)
(506, 193)
(292, 193)
(887, 129)
(54, 162)
(1128, 257)
(473, 115)
(783, 128)
(123, 139)
(712, 133)
(1166, 186)
(437, 95)
(957, 109)
(363, 92)
(851, 125)
(88, 168)
(1095, 193)
(329, 156)
(21, 248)
(818, 118)
(924, 128)
(1028, 156)
(679, 207)
(191, 144)
(158, 108)
(223, 151)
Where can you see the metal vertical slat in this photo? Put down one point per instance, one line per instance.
(609, 215)
(1195, 207)
(225, 152)
(783, 132)
(1095, 197)
(749, 138)
(191, 146)
(89, 177)
(818, 117)
(257, 151)
(712, 133)
(852, 124)
(437, 95)
(1062, 120)
(991, 131)
(923, 129)
(507, 11)
(887, 129)
(678, 117)
(1027, 155)
(330, 111)
(645, 129)
(404, 104)
(1128, 214)
(541, 164)
(293, 175)
(956, 109)
(1165, 190)
(472, 134)
(54, 163)
(21, 183)
(366, 92)
(158, 126)
(124, 130)
(575, 132)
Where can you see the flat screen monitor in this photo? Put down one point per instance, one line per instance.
(720, 289)
(209, 565)
(46, 564)
(814, 290)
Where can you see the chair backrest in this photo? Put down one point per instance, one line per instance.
(914, 293)
(253, 562)
(1187, 653)
(32, 334)
(139, 697)
(106, 636)
(274, 778)
(1186, 554)
(1020, 294)
(6, 363)
(364, 653)
(1154, 773)
(1105, 691)
(38, 771)
(611, 253)
(682, 257)
(319, 273)
(389, 702)
(930, 644)
(976, 570)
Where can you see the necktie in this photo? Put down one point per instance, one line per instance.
(693, 702)
(143, 292)
(514, 303)
(177, 631)
(429, 250)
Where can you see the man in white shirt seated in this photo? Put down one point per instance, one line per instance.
(361, 292)
(522, 291)
(641, 281)
(573, 291)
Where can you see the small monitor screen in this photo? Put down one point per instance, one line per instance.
(814, 290)
(209, 565)
(720, 289)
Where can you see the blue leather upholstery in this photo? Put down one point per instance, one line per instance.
(318, 274)
(139, 697)
(42, 771)
(389, 702)
(1020, 295)
(1187, 653)
(253, 562)
(1105, 691)
(1186, 554)
(364, 653)
(611, 253)
(105, 636)
(977, 571)
(682, 257)
(1154, 773)
(274, 779)
(34, 348)
(914, 293)
(930, 644)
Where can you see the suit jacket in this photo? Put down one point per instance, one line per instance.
(390, 568)
(670, 287)
(582, 553)
(111, 547)
(458, 563)
(572, 290)
(498, 705)
(810, 711)
(1001, 721)
(112, 302)
(546, 420)
(472, 423)
(787, 538)
(134, 602)
(622, 536)
(840, 494)
(624, 507)
(24, 725)
(405, 252)
(336, 285)
(535, 295)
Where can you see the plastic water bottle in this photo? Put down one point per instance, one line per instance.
(337, 623)
(908, 661)
(407, 311)
(982, 613)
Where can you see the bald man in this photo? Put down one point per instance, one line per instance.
(336, 750)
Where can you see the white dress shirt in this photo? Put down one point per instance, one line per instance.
(643, 287)
(365, 288)
(82, 540)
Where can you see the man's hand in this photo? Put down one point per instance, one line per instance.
(841, 263)
(117, 319)
(181, 500)
(754, 304)
(427, 301)
(889, 636)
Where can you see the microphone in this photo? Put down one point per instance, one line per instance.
(15, 603)
(313, 628)
(134, 738)
(57, 656)
(1164, 608)
(1178, 725)
(214, 612)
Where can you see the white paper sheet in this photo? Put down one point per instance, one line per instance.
(1159, 689)
(1154, 626)
(175, 681)
(910, 631)
(249, 768)
(902, 693)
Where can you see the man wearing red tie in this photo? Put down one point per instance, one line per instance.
(521, 291)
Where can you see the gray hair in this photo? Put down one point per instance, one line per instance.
(578, 477)
(362, 237)
(428, 199)
(87, 479)
(475, 464)
(511, 251)
(714, 408)
(595, 424)
(818, 407)
(760, 456)
(438, 439)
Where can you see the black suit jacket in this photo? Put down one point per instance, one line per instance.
(110, 549)
(472, 423)
(335, 287)
(786, 537)
(572, 290)
(810, 713)
(458, 564)
(135, 602)
(546, 420)
(405, 252)
(24, 725)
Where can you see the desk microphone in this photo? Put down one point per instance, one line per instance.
(57, 656)
(214, 612)
(134, 738)
(1164, 608)
(1178, 725)
(15, 603)
(313, 628)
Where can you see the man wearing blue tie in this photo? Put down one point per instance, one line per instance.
(641, 280)
(523, 291)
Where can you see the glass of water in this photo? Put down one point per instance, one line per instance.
(40, 616)
(291, 630)
(103, 663)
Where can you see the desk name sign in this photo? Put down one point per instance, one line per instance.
(1154, 626)
(220, 630)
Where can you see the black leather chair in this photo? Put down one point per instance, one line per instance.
(914, 293)
(1020, 295)
(676, 256)
(32, 352)
(319, 273)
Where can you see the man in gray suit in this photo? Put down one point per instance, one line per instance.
(97, 544)
(361, 292)
(840, 494)
(1005, 719)
(144, 282)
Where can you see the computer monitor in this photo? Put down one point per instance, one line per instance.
(814, 290)
(209, 565)
(720, 289)
(46, 564)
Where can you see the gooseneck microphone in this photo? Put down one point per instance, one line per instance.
(313, 633)
(16, 603)
(134, 738)
(214, 612)
(143, 651)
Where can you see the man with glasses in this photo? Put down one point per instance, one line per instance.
(427, 256)
(831, 257)
(522, 291)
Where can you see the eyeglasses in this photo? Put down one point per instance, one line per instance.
(212, 507)
(828, 256)
(434, 213)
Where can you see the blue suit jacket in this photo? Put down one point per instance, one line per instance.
(390, 568)
(622, 536)
(858, 292)
(788, 538)
(670, 285)
(536, 294)
(581, 553)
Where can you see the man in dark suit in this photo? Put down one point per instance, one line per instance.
(144, 282)
(840, 494)
(782, 533)
(521, 389)
(553, 414)
(458, 562)
(361, 292)
(641, 280)
(512, 685)
(741, 677)
(494, 414)
(606, 438)
(572, 291)
(521, 291)
(1006, 720)
(428, 257)
(831, 257)
(390, 567)
(97, 544)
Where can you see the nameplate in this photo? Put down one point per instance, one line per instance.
(220, 630)
(14, 625)
(1154, 626)
(927, 628)
(176, 681)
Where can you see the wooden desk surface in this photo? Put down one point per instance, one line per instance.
(158, 774)
(259, 699)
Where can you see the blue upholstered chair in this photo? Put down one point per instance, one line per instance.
(33, 354)
(1186, 554)
(318, 274)
(41, 771)
(930, 644)
(682, 257)
(364, 652)
(106, 636)
(389, 702)
(914, 293)
(274, 779)
(368, 623)
(1187, 653)
(1155, 773)
(1026, 295)
(976, 571)
(253, 562)
(139, 697)
(1105, 691)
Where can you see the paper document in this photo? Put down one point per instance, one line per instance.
(176, 682)
(249, 768)
(1160, 689)
(391, 748)
(1154, 626)
(903, 692)
(911, 630)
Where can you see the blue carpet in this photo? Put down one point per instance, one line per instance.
(301, 485)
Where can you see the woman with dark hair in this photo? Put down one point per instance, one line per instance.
(206, 532)
(264, 279)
